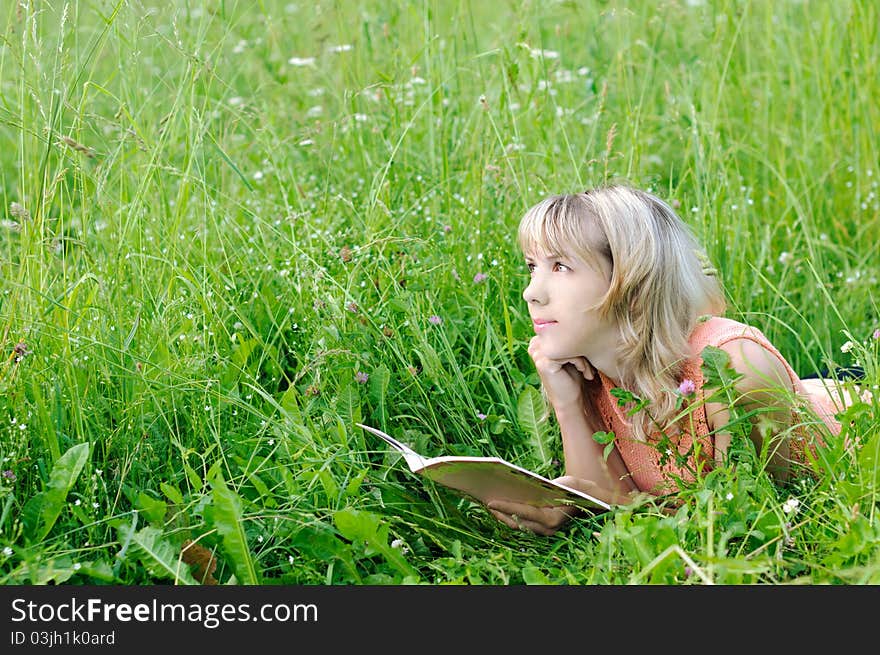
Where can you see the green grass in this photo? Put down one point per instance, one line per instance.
(208, 234)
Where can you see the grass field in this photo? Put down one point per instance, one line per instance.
(232, 230)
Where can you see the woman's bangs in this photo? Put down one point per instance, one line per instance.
(545, 228)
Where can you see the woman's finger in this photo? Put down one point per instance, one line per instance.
(537, 528)
(504, 518)
(583, 366)
(516, 522)
(587, 370)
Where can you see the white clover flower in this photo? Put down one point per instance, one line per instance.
(729, 496)
(7, 551)
(845, 348)
(790, 505)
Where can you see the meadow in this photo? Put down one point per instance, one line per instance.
(232, 230)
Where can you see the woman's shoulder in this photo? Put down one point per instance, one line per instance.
(719, 330)
(750, 352)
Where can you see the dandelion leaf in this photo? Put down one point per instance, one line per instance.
(529, 408)
(227, 519)
(158, 556)
(42, 511)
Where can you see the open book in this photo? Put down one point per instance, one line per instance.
(490, 478)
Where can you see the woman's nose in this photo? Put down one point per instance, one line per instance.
(534, 293)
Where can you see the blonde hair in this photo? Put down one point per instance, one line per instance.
(661, 282)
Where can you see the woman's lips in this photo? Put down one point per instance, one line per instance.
(540, 324)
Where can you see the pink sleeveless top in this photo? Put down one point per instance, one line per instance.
(655, 471)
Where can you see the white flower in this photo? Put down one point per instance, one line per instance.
(790, 505)
(7, 551)
(301, 61)
(546, 54)
(729, 496)
(397, 543)
(345, 47)
(845, 348)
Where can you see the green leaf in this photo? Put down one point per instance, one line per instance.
(159, 557)
(152, 508)
(379, 380)
(56, 571)
(172, 493)
(607, 451)
(348, 405)
(531, 575)
(227, 520)
(43, 510)
(529, 408)
(98, 569)
(357, 525)
(869, 464)
(718, 373)
(192, 476)
(290, 404)
(318, 540)
(624, 397)
(603, 438)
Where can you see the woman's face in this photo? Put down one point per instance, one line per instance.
(560, 296)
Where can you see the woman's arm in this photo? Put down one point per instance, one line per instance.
(765, 386)
(568, 387)
(584, 456)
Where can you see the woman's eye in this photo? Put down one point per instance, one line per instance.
(561, 267)
(530, 266)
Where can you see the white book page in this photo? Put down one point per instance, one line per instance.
(490, 478)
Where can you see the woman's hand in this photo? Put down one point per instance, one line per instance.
(548, 520)
(562, 379)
